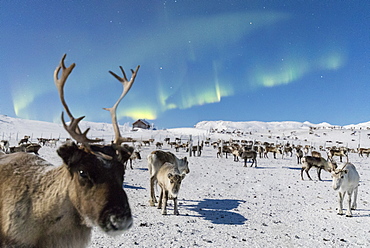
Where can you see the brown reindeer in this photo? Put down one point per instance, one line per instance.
(341, 152)
(42, 205)
(25, 140)
(156, 159)
(169, 179)
(249, 154)
(320, 163)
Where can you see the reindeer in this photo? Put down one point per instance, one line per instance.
(236, 151)
(173, 143)
(42, 141)
(28, 147)
(260, 151)
(249, 154)
(25, 140)
(299, 154)
(316, 154)
(135, 154)
(14, 149)
(42, 205)
(156, 159)
(345, 180)
(4, 146)
(225, 150)
(362, 151)
(196, 150)
(319, 163)
(169, 179)
(341, 152)
(272, 149)
(286, 150)
(33, 147)
(158, 145)
(52, 142)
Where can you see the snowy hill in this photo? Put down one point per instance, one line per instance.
(258, 125)
(13, 129)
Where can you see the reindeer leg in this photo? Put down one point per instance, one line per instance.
(164, 203)
(354, 203)
(160, 203)
(307, 169)
(153, 199)
(175, 208)
(349, 212)
(340, 201)
(319, 173)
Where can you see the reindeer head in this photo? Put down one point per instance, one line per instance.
(338, 175)
(96, 171)
(175, 183)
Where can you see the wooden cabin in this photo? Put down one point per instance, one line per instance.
(143, 124)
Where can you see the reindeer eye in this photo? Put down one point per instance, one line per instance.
(83, 174)
(171, 181)
(341, 176)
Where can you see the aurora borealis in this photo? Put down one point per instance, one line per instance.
(200, 60)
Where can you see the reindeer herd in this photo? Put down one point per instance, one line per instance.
(42, 205)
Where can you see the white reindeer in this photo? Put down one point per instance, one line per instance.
(345, 180)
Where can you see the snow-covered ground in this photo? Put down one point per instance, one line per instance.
(222, 203)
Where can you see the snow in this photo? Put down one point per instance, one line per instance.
(222, 203)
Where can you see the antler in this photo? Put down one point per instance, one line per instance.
(73, 129)
(113, 110)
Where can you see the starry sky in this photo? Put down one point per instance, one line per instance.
(200, 60)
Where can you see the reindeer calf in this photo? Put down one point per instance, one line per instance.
(169, 179)
(156, 160)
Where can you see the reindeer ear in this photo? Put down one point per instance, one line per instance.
(70, 153)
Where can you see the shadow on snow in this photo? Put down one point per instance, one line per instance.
(218, 211)
(126, 186)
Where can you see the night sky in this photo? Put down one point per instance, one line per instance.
(200, 60)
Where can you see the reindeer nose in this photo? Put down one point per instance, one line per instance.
(121, 223)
